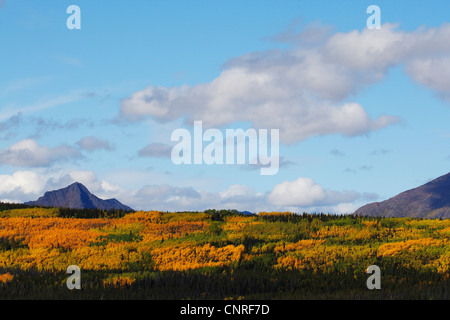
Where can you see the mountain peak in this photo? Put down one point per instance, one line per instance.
(77, 196)
(76, 185)
(431, 200)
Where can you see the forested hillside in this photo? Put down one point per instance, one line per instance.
(219, 255)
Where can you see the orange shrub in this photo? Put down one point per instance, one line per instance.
(6, 277)
(392, 249)
(172, 230)
(118, 281)
(186, 257)
(62, 238)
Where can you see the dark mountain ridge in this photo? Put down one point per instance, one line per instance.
(77, 196)
(431, 200)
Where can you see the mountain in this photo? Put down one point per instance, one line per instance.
(77, 196)
(247, 213)
(432, 200)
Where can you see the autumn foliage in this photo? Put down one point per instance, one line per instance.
(233, 255)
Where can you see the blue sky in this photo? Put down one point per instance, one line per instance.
(363, 114)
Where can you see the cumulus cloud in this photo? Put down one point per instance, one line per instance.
(304, 192)
(301, 91)
(92, 144)
(241, 197)
(262, 99)
(425, 71)
(20, 185)
(156, 150)
(304, 90)
(28, 153)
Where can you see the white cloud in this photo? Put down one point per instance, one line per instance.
(265, 100)
(433, 73)
(304, 91)
(20, 184)
(298, 196)
(369, 52)
(342, 208)
(27, 153)
(166, 197)
(304, 192)
(236, 190)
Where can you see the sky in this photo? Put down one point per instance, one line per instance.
(362, 113)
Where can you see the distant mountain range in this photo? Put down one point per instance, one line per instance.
(77, 196)
(432, 200)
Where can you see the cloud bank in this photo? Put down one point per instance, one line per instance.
(303, 194)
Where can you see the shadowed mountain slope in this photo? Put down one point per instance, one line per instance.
(432, 200)
(77, 196)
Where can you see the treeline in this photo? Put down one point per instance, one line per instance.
(92, 213)
(216, 214)
(219, 215)
(11, 206)
(337, 219)
(70, 212)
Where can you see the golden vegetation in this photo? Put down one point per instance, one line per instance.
(187, 257)
(123, 250)
(6, 277)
